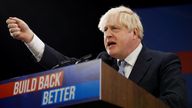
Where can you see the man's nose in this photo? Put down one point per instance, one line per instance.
(108, 33)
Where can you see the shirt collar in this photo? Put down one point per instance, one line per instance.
(132, 57)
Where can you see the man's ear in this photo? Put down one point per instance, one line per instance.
(135, 32)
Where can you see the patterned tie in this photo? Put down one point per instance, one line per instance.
(122, 65)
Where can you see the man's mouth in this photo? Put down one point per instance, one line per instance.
(111, 43)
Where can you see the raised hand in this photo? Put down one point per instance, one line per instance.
(19, 29)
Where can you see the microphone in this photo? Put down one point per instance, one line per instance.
(105, 57)
(108, 59)
(83, 59)
(63, 63)
(71, 61)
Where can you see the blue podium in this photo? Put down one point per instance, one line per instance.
(88, 84)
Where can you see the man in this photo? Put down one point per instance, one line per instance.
(157, 72)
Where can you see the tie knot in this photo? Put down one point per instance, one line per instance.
(122, 63)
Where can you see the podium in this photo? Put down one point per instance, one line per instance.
(84, 85)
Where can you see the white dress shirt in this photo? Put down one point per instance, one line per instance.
(131, 59)
(37, 47)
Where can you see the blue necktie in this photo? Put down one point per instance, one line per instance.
(122, 65)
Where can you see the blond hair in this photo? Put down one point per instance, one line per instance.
(127, 18)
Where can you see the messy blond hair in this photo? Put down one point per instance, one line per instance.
(127, 18)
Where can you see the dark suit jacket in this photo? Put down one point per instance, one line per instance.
(157, 72)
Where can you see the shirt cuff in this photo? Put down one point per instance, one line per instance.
(36, 47)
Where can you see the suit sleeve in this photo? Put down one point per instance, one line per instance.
(51, 58)
(172, 85)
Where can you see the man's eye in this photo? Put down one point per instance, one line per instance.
(115, 28)
(105, 29)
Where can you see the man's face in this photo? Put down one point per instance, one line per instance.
(118, 40)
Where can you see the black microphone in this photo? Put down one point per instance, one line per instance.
(71, 61)
(105, 57)
(83, 59)
(63, 63)
(108, 59)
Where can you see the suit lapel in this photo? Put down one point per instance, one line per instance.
(141, 66)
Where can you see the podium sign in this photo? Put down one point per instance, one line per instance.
(88, 84)
(53, 88)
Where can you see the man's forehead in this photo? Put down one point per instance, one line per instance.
(112, 23)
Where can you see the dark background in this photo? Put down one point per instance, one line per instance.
(68, 26)
(71, 28)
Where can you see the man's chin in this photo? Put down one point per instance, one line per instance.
(112, 54)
